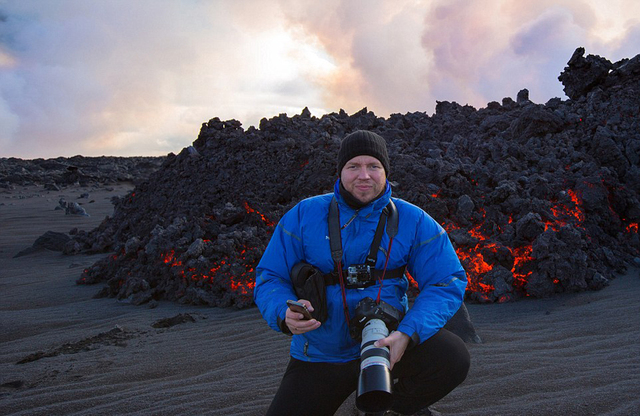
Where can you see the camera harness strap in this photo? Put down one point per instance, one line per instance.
(390, 216)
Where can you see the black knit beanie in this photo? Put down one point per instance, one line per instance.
(361, 143)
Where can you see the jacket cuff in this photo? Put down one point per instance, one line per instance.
(414, 340)
(283, 327)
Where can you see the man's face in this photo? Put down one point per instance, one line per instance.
(364, 178)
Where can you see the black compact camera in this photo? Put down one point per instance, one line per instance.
(359, 275)
(374, 321)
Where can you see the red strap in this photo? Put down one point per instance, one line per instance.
(344, 294)
(386, 261)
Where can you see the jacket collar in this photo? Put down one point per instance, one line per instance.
(373, 206)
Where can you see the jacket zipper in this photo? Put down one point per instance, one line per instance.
(346, 224)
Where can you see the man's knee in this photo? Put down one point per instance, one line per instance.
(455, 357)
(461, 364)
(443, 357)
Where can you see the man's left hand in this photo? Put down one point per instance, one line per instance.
(397, 342)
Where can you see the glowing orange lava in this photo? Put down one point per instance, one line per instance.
(264, 219)
(241, 284)
(563, 213)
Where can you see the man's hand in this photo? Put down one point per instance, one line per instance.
(296, 322)
(397, 342)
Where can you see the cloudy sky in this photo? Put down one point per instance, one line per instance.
(139, 77)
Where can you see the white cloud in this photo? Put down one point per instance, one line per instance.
(123, 77)
(139, 77)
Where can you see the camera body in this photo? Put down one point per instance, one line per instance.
(367, 310)
(373, 322)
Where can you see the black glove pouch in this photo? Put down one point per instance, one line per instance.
(308, 283)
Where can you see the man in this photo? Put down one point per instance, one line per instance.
(427, 362)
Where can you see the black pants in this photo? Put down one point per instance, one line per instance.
(425, 374)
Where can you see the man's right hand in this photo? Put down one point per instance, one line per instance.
(297, 324)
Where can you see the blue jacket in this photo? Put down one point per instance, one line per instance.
(421, 243)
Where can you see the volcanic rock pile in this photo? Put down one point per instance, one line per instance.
(537, 199)
(57, 173)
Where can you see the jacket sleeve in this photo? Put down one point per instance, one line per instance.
(441, 279)
(273, 283)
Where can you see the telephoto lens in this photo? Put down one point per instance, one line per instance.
(374, 392)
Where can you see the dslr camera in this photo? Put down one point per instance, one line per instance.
(372, 322)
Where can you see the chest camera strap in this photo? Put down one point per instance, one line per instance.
(389, 216)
